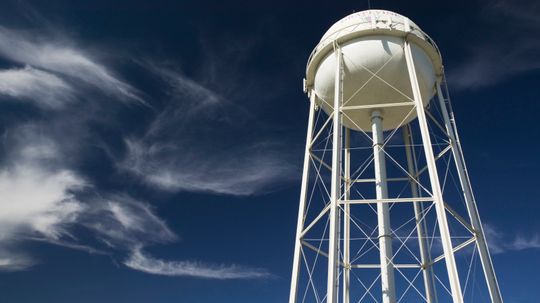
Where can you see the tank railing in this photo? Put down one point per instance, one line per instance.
(351, 28)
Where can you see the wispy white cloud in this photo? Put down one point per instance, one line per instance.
(506, 54)
(500, 242)
(37, 200)
(12, 259)
(32, 85)
(37, 204)
(244, 170)
(125, 224)
(182, 85)
(491, 64)
(44, 198)
(145, 263)
(521, 242)
(526, 11)
(194, 144)
(71, 244)
(122, 222)
(61, 57)
(40, 201)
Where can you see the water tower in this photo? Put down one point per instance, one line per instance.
(387, 212)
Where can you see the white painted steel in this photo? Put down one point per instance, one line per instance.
(450, 261)
(472, 209)
(333, 241)
(383, 66)
(372, 46)
(388, 288)
(302, 207)
(384, 56)
(425, 256)
(368, 20)
(346, 217)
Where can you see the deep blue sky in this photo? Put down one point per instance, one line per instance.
(151, 150)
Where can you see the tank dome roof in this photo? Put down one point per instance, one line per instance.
(371, 22)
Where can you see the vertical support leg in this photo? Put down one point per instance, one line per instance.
(383, 212)
(303, 198)
(472, 209)
(335, 192)
(450, 260)
(347, 218)
(425, 256)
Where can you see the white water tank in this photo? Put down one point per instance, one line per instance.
(375, 70)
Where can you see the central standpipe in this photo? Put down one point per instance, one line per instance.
(383, 212)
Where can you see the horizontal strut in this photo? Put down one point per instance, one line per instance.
(373, 180)
(371, 106)
(390, 200)
(379, 266)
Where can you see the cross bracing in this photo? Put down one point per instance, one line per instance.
(419, 258)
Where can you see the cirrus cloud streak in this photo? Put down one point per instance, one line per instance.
(142, 262)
